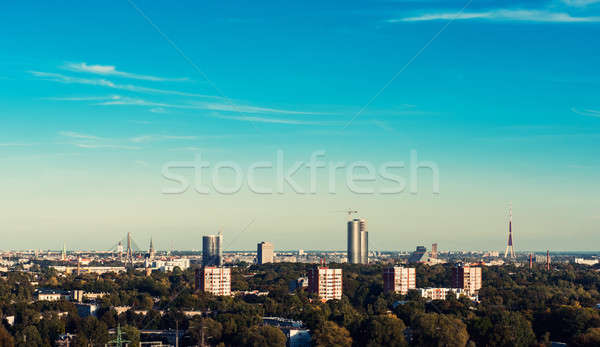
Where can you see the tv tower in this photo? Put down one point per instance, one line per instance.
(509, 246)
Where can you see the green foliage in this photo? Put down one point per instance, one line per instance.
(265, 336)
(331, 335)
(518, 308)
(382, 330)
(432, 329)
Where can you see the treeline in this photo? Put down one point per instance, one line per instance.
(519, 307)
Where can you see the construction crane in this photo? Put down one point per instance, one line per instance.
(349, 212)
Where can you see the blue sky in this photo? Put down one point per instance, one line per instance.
(98, 96)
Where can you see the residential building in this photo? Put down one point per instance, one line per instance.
(50, 295)
(399, 279)
(214, 280)
(325, 282)
(467, 277)
(439, 293)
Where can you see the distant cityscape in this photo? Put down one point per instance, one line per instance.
(214, 271)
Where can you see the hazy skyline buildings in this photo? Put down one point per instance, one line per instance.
(264, 253)
(358, 241)
(212, 251)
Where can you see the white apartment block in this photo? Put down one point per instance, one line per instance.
(325, 282)
(214, 280)
(399, 279)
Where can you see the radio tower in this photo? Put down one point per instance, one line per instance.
(509, 246)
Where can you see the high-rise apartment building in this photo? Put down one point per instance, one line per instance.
(325, 282)
(399, 279)
(358, 242)
(467, 277)
(434, 251)
(212, 253)
(214, 280)
(264, 253)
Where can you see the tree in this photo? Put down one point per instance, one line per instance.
(503, 328)
(590, 338)
(331, 335)
(207, 329)
(94, 330)
(432, 329)
(132, 334)
(266, 336)
(6, 339)
(29, 337)
(382, 331)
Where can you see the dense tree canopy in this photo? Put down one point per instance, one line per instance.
(518, 307)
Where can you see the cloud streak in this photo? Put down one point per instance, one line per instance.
(586, 112)
(148, 138)
(208, 106)
(77, 135)
(109, 70)
(104, 146)
(101, 82)
(272, 120)
(502, 15)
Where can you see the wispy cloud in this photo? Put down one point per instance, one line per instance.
(85, 98)
(586, 112)
(580, 3)
(273, 120)
(502, 15)
(253, 109)
(101, 82)
(77, 135)
(159, 110)
(94, 142)
(16, 144)
(149, 138)
(208, 106)
(105, 146)
(109, 70)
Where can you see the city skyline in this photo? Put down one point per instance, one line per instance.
(503, 100)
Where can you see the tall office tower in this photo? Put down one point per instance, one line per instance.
(467, 277)
(358, 242)
(212, 253)
(214, 280)
(399, 279)
(509, 246)
(325, 282)
(264, 253)
(434, 253)
(364, 242)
